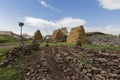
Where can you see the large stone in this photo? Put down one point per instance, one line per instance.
(76, 34)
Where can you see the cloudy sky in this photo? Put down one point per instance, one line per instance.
(47, 15)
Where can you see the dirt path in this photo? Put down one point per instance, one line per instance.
(8, 45)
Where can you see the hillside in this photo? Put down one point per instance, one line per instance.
(8, 39)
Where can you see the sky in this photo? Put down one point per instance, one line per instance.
(48, 15)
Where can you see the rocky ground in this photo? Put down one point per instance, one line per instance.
(70, 63)
(99, 39)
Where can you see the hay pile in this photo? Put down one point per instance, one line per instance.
(64, 30)
(37, 36)
(57, 35)
(76, 34)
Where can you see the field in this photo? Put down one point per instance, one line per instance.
(8, 39)
(39, 64)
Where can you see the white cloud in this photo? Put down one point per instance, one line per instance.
(39, 22)
(107, 29)
(71, 22)
(43, 3)
(68, 22)
(110, 4)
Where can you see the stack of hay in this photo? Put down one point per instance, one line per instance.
(76, 34)
(37, 36)
(57, 35)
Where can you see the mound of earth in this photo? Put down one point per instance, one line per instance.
(70, 63)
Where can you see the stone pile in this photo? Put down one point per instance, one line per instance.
(99, 39)
(70, 63)
(12, 55)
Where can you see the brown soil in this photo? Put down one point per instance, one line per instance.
(70, 63)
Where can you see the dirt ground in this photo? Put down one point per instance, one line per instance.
(70, 63)
(8, 46)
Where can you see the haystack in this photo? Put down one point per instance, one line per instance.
(76, 34)
(64, 30)
(57, 35)
(37, 36)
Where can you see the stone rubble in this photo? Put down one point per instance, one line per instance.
(12, 55)
(70, 63)
(99, 39)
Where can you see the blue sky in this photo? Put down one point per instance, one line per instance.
(47, 15)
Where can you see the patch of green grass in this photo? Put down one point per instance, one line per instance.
(42, 44)
(3, 51)
(88, 46)
(8, 39)
(11, 72)
(98, 47)
(85, 61)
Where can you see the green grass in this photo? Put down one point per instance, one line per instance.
(3, 51)
(42, 44)
(98, 47)
(88, 46)
(12, 72)
(8, 39)
(85, 61)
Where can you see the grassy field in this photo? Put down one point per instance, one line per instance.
(2, 51)
(13, 71)
(98, 47)
(42, 44)
(8, 39)
(88, 46)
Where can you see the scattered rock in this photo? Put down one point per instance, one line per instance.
(67, 63)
